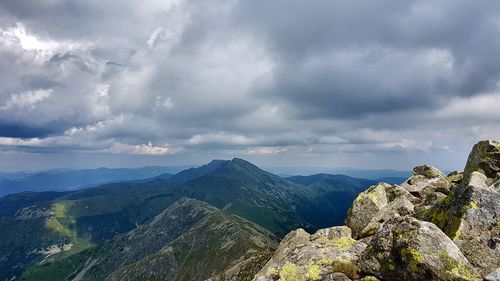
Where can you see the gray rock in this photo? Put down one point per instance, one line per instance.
(337, 276)
(365, 207)
(470, 215)
(301, 256)
(409, 249)
(484, 158)
(455, 177)
(427, 180)
(493, 276)
(376, 205)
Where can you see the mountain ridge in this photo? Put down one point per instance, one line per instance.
(184, 222)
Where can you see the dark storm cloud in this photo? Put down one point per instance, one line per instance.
(347, 58)
(23, 131)
(294, 80)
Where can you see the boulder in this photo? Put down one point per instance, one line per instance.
(365, 207)
(409, 249)
(485, 159)
(320, 256)
(455, 177)
(470, 214)
(427, 180)
(376, 205)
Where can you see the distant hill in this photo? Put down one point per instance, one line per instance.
(337, 190)
(39, 227)
(60, 180)
(188, 232)
(356, 173)
(393, 180)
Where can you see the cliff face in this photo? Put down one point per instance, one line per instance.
(431, 227)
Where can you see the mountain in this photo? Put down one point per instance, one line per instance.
(336, 182)
(51, 226)
(188, 232)
(338, 190)
(373, 174)
(392, 180)
(431, 227)
(60, 180)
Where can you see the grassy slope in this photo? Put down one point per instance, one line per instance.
(189, 240)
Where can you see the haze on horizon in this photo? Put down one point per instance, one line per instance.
(119, 83)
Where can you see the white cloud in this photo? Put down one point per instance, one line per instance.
(151, 149)
(263, 150)
(485, 106)
(218, 138)
(165, 103)
(27, 100)
(18, 141)
(154, 37)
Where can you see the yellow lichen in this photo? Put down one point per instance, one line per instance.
(412, 257)
(346, 266)
(289, 272)
(342, 242)
(325, 262)
(456, 235)
(473, 205)
(313, 272)
(369, 278)
(457, 268)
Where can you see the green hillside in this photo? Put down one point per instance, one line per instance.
(191, 240)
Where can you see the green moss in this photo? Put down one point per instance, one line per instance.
(412, 257)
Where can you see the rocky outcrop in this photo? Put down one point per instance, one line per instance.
(431, 227)
(301, 256)
(409, 249)
(470, 215)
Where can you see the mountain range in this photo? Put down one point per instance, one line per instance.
(64, 179)
(47, 233)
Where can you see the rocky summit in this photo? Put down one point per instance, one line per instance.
(431, 227)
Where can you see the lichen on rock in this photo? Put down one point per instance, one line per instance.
(431, 227)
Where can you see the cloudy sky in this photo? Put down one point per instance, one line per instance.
(329, 83)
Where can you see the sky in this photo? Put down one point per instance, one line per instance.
(326, 83)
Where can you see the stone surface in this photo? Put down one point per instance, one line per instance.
(455, 177)
(409, 249)
(484, 158)
(427, 180)
(301, 256)
(365, 207)
(493, 276)
(376, 205)
(470, 215)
